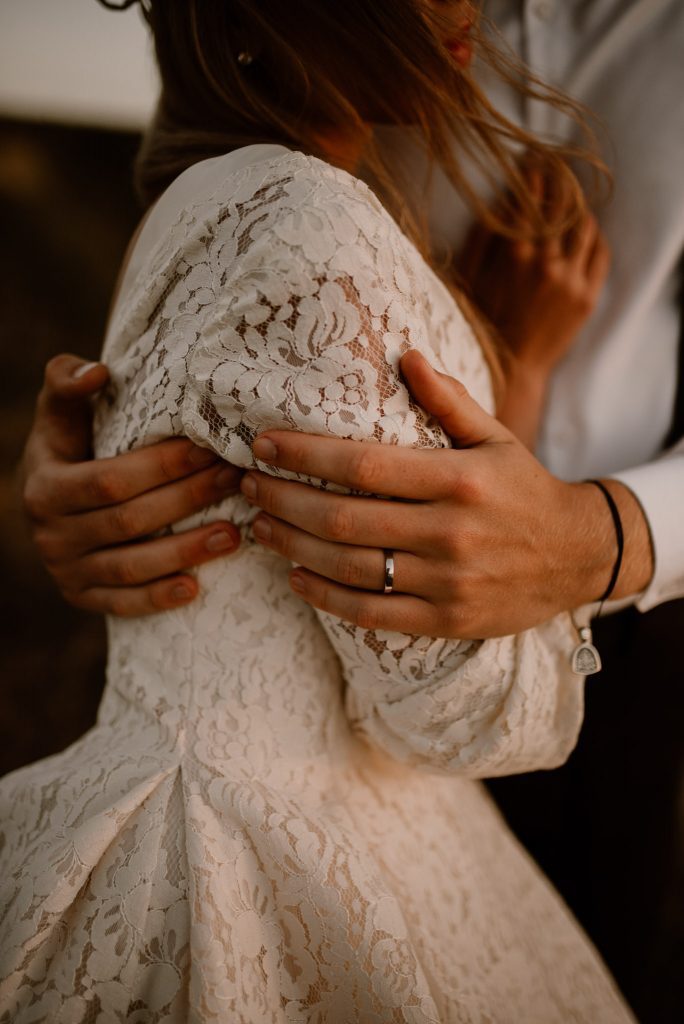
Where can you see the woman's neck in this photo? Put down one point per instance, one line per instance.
(345, 148)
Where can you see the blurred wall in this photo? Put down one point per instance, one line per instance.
(66, 213)
(77, 82)
(74, 61)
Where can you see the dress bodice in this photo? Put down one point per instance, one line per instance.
(283, 295)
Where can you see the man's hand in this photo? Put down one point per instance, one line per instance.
(89, 518)
(486, 542)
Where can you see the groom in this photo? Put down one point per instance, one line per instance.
(607, 828)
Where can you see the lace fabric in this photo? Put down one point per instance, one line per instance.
(274, 819)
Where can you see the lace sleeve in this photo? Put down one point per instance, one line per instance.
(311, 342)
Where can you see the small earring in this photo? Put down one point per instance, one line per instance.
(245, 58)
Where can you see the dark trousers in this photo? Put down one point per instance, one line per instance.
(608, 827)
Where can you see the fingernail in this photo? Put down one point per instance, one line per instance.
(201, 456)
(249, 487)
(82, 370)
(262, 529)
(265, 450)
(225, 480)
(181, 593)
(297, 583)
(220, 541)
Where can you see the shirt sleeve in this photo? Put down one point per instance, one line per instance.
(307, 344)
(659, 488)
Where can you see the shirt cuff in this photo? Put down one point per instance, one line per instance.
(659, 489)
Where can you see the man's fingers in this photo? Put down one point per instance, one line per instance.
(395, 612)
(448, 400)
(366, 522)
(391, 470)
(358, 465)
(131, 565)
(99, 483)
(350, 565)
(130, 602)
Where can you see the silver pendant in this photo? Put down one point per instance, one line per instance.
(586, 660)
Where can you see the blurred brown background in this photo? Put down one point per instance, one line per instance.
(67, 210)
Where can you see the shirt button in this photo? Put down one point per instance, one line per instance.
(543, 9)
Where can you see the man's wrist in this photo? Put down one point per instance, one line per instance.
(593, 531)
(638, 563)
(590, 547)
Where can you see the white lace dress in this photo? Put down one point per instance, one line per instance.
(275, 818)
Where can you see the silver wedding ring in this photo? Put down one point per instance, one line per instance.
(389, 572)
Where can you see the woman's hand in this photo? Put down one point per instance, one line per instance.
(89, 518)
(538, 296)
(486, 541)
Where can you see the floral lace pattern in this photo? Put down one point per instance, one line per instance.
(274, 819)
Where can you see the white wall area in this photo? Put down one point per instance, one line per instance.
(76, 62)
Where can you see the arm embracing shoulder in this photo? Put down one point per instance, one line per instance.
(312, 344)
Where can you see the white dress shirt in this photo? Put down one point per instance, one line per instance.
(612, 398)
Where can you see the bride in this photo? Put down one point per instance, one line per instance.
(275, 818)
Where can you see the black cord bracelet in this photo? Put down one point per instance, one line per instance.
(620, 537)
(586, 660)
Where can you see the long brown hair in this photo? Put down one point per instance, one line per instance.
(236, 72)
(323, 64)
